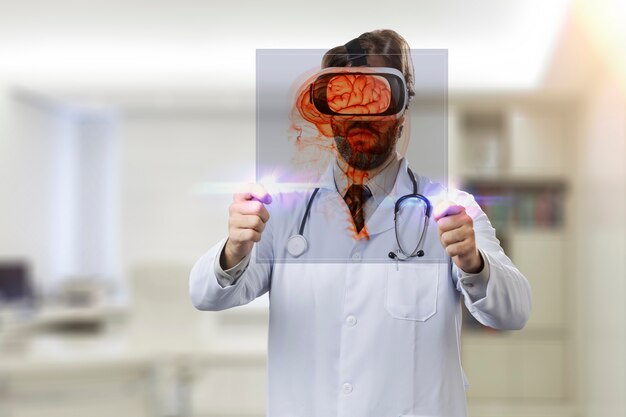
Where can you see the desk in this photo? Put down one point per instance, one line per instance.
(105, 376)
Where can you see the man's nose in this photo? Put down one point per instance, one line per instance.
(360, 124)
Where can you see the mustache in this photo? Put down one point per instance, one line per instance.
(360, 125)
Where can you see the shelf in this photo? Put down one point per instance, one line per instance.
(520, 204)
(514, 157)
(515, 181)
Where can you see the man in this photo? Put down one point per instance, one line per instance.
(353, 332)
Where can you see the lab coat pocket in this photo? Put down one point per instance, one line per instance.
(412, 290)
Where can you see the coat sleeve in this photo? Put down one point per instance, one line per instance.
(207, 294)
(508, 297)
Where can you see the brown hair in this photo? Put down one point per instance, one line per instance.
(387, 43)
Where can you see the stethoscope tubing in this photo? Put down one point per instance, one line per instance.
(308, 210)
(298, 244)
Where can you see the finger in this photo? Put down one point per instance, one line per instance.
(454, 222)
(250, 207)
(454, 236)
(460, 249)
(447, 208)
(254, 192)
(248, 235)
(240, 221)
(264, 198)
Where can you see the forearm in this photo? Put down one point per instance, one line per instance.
(206, 292)
(503, 299)
(507, 299)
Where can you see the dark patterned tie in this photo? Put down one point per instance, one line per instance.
(355, 198)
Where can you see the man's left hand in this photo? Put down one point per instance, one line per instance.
(456, 233)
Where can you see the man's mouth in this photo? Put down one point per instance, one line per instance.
(361, 139)
(359, 130)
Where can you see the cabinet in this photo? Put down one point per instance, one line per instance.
(512, 154)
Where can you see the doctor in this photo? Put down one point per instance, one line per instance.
(357, 327)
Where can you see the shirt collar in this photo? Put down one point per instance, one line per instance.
(380, 185)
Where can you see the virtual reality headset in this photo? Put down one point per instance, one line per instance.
(363, 92)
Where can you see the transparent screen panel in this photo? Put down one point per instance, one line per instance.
(313, 123)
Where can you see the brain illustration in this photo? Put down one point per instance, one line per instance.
(358, 94)
(349, 95)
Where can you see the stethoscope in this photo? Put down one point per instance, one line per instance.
(297, 244)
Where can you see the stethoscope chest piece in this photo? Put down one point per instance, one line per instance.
(297, 245)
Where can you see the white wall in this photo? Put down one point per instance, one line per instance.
(600, 256)
(59, 190)
(166, 156)
(82, 195)
(36, 151)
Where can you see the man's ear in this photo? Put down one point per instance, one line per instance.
(400, 126)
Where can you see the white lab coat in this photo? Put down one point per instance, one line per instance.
(353, 333)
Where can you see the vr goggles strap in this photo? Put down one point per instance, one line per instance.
(357, 55)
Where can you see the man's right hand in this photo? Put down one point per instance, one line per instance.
(246, 222)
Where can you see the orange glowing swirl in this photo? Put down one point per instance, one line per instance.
(358, 94)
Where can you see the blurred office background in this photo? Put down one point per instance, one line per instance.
(113, 115)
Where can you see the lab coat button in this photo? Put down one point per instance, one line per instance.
(347, 388)
(356, 256)
(351, 320)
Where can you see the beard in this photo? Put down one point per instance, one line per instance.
(365, 145)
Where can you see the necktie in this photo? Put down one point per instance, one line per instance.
(355, 198)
